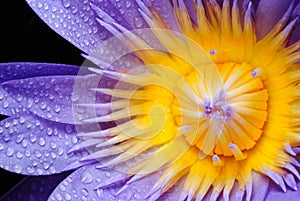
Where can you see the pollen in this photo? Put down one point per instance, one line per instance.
(211, 107)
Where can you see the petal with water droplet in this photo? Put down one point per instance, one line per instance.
(54, 97)
(18, 70)
(27, 146)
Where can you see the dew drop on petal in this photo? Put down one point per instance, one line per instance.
(138, 22)
(62, 188)
(42, 141)
(84, 192)
(30, 170)
(57, 108)
(5, 105)
(58, 196)
(68, 129)
(127, 4)
(27, 153)
(19, 155)
(86, 178)
(66, 3)
(49, 131)
(53, 145)
(9, 151)
(68, 196)
(52, 170)
(17, 168)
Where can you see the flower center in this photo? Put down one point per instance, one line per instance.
(226, 120)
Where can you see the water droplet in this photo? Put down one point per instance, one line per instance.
(68, 129)
(6, 125)
(40, 4)
(42, 141)
(86, 178)
(54, 9)
(30, 170)
(68, 196)
(60, 151)
(22, 120)
(138, 22)
(53, 155)
(74, 9)
(74, 97)
(5, 104)
(62, 188)
(34, 163)
(17, 168)
(9, 151)
(29, 103)
(74, 140)
(57, 108)
(43, 105)
(127, 4)
(58, 196)
(49, 131)
(46, 7)
(52, 170)
(56, 88)
(38, 154)
(84, 192)
(46, 166)
(32, 138)
(39, 171)
(19, 155)
(53, 145)
(27, 153)
(19, 97)
(24, 143)
(66, 3)
(1, 147)
(6, 138)
(19, 139)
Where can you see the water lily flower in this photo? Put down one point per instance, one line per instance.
(187, 100)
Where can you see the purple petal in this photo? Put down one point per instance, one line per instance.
(76, 20)
(87, 180)
(64, 17)
(8, 106)
(191, 10)
(165, 9)
(260, 186)
(296, 33)
(53, 97)
(276, 194)
(268, 14)
(83, 183)
(48, 97)
(129, 12)
(33, 146)
(34, 188)
(13, 71)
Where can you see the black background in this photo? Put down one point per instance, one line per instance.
(24, 37)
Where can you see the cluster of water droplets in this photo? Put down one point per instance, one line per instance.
(91, 184)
